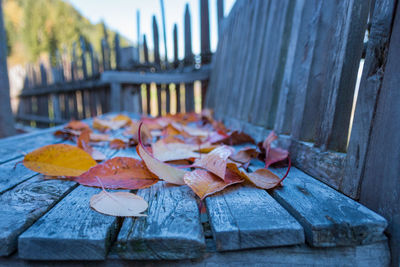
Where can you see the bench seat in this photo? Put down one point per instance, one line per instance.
(305, 222)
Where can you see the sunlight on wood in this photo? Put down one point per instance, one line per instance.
(79, 104)
(143, 93)
(197, 96)
(183, 95)
(172, 92)
(153, 100)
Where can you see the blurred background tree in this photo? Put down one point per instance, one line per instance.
(38, 28)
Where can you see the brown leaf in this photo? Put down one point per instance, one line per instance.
(264, 178)
(245, 155)
(215, 161)
(237, 138)
(118, 144)
(121, 204)
(118, 173)
(77, 125)
(204, 183)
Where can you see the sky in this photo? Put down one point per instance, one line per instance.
(120, 15)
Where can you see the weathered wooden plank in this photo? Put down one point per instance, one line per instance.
(172, 229)
(13, 174)
(176, 47)
(188, 36)
(189, 97)
(242, 51)
(70, 231)
(14, 147)
(205, 32)
(159, 78)
(376, 254)
(380, 188)
(83, 57)
(329, 218)
(64, 87)
(285, 103)
(246, 217)
(156, 44)
(370, 86)
(24, 204)
(303, 123)
(344, 60)
(116, 100)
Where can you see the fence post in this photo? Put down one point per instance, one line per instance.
(156, 48)
(175, 35)
(145, 50)
(205, 32)
(6, 117)
(188, 37)
(115, 99)
(83, 58)
(117, 52)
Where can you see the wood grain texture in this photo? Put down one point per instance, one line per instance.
(376, 254)
(343, 60)
(70, 231)
(247, 217)
(138, 78)
(329, 218)
(21, 206)
(380, 188)
(368, 94)
(172, 229)
(14, 147)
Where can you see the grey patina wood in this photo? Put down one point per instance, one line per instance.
(338, 89)
(15, 147)
(12, 174)
(380, 189)
(172, 229)
(70, 231)
(246, 217)
(329, 218)
(21, 206)
(370, 86)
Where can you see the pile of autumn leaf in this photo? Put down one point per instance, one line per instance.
(183, 149)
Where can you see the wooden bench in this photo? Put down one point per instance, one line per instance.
(288, 66)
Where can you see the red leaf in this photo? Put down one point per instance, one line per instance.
(119, 173)
(273, 155)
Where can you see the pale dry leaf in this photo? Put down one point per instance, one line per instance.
(121, 204)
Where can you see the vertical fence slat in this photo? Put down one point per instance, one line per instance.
(145, 50)
(338, 89)
(83, 57)
(164, 32)
(220, 14)
(117, 52)
(175, 36)
(189, 97)
(115, 100)
(303, 119)
(370, 87)
(156, 43)
(178, 97)
(205, 32)
(284, 111)
(188, 37)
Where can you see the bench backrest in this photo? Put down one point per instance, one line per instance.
(291, 66)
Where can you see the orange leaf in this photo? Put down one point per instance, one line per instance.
(164, 171)
(118, 144)
(83, 143)
(215, 161)
(59, 160)
(264, 178)
(105, 125)
(118, 173)
(77, 125)
(204, 183)
(245, 155)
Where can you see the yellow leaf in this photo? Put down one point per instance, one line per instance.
(59, 160)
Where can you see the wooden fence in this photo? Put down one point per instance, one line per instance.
(132, 79)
